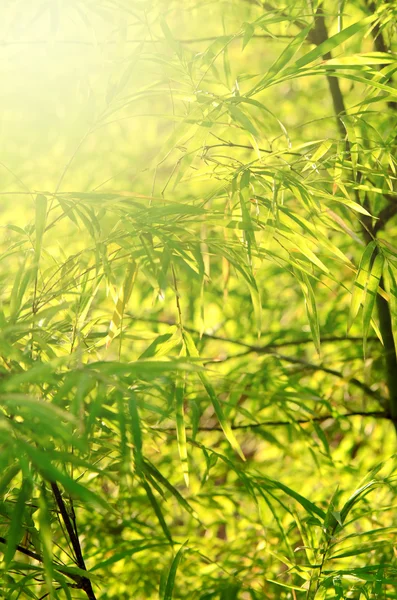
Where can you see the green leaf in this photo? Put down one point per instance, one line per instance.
(7, 477)
(121, 301)
(173, 43)
(155, 473)
(241, 118)
(193, 352)
(311, 306)
(360, 283)
(169, 586)
(333, 42)
(51, 473)
(163, 344)
(44, 522)
(15, 530)
(355, 497)
(370, 296)
(41, 217)
(319, 153)
(136, 432)
(157, 510)
(249, 31)
(391, 289)
(309, 506)
(287, 54)
(126, 554)
(181, 428)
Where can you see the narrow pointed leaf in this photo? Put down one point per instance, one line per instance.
(169, 586)
(333, 42)
(121, 302)
(41, 217)
(193, 352)
(360, 283)
(370, 296)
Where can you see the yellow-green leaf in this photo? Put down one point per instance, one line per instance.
(193, 352)
(360, 283)
(120, 302)
(181, 428)
(370, 296)
(40, 222)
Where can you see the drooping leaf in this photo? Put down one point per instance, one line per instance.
(41, 217)
(360, 282)
(370, 296)
(192, 351)
(121, 301)
(169, 587)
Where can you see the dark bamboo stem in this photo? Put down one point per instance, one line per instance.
(369, 232)
(85, 583)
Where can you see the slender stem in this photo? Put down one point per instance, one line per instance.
(320, 35)
(188, 41)
(255, 348)
(379, 42)
(386, 329)
(320, 419)
(24, 550)
(39, 558)
(369, 232)
(313, 367)
(85, 583)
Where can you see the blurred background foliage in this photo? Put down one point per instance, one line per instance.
(198, 376)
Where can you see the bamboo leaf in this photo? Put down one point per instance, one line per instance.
(15, 531)
(193, 352)
(169, 586)
(155, 473)
(333, 42)
(7, 477)
(309, 506)
(41, 217)
(391, 289)
(287, 54)
(136, 432)
(241, 118)
(157, 510)
(44, 522)
(355, 497)
(121, 301)
(319, 153)
(370, 296)
(181, 428)
(360, 283)
(311, 306)
(51, 473)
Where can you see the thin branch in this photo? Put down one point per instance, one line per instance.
(24, 550)
(76, 578)
(212, 38)
(385, 324)
(247, 147)
(384, 216)
(253, 347)
(313, 367)
(85, 582)
(390, 355)
(379, 42)
(320, 35)
(308, 366)
(298, 23)
(319, 419)
(271, 349)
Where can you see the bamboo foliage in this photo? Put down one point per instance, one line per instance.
(198, 373)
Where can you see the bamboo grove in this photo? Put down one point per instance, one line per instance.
(198, 374)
